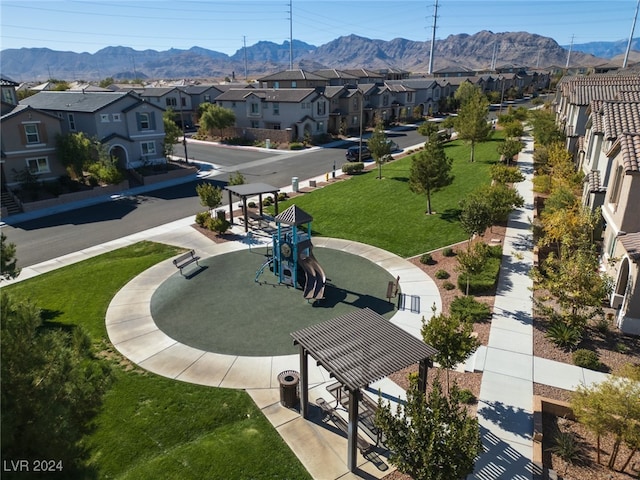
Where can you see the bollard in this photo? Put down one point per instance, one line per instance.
(294, 184)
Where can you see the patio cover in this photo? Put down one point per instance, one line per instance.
(250, 190)
(358, 349)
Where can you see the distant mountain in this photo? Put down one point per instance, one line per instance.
(606, 49)
(352, 51)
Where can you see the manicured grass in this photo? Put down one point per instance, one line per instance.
(151, 427)
(385, 213)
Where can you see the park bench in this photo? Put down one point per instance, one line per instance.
(392, 289)
(186, 259)
(342, 425)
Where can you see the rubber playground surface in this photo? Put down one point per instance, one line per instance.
(221, 308)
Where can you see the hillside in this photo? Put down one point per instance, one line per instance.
(473, 51)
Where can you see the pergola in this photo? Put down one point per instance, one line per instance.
(358, 349)
(250, 190)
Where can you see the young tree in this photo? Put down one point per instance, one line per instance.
(430, 170)
(215, 116)
(171, 132)
(502, 199)
(545, 130)
(504, 174)
(453, 339)
(52, 383)
(431, 438)
(210, 195)
(379, 146)
(426, 129)
(74, 151)
(475, 215)
(8, 260)
(471, 123)
(472, 260)
(509, 149)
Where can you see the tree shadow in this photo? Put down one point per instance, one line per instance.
(451, 214)
(511, 419)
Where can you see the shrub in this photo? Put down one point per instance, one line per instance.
(564, 335)
(602, 325)
(296, 146)
(448, 285)
(282, 196)
(202, 218)
(567, 447)
(218, 225)
(442, 274)
(252, 205)
(542, 183)
(448, 252)
(267, 201)
(426, 259)
(352, 168)
(485, 280)
(469, 309)
(467, 397)
(586, 359)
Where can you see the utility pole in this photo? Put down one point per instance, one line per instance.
(494, 55)
(290, 34)
(433, 36)
(569, 54)
(244, 39)
(633, 27)
(184, 135)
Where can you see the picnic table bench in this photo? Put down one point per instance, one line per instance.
(186, 259)
(342, 424)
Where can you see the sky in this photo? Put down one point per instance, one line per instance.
(226, 26)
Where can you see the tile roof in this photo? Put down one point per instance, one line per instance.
(593, 178)
(630, 150)
(619, 117)
(631, 243)
(629, 95)
(363, 73)
(333, 73)
(285, 95)
(73, 101)
(298, 74)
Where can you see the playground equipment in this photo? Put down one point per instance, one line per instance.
(293, 254)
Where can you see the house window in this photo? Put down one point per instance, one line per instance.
(255, 124)
(144, 121)
(31, 132)
(276, 126)
(276, 108)
(612, 245)
(354, 120)
(320, 127)
(72, 122)
(276, 84)
(617, 186)
(171, 102)
(385, 100)
(183, 101)
(104, 117)
(207, 98)
(322, 108)
(7, 96)
(148, 148)
(355, 102)
(116, 117)
(38, 165)
(409, 96)
(294, 84)
(255, 109)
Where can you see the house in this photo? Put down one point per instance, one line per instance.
(29, 144)
(293, 79)
(427, 93)
(622, 233)
(301, 111)
(131, 127)
(174, 98)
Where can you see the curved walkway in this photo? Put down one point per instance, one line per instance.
(134, 333)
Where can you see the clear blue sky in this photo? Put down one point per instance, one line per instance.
(87, 26)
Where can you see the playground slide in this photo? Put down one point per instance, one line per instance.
(316, 278)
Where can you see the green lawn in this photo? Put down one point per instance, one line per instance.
(385, 213)
(151, 427)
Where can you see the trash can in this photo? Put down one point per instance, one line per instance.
(294, 184)
(289, 380)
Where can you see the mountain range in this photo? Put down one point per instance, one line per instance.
(479, 50)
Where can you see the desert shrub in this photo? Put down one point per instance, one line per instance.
(542, 184)
(466, 396)
(426, 259)
(567, 447)
(252, 205)
(282, 196)
(602, 325)
(448, 252)
(483, 281)
(267, 201)
(202, 218)
(296, 146)
(586, 359)
(448, 285)
(442, 274)
(352, 168)
(218, 225)
(564, 335)
(469, 309)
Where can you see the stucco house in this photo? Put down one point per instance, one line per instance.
(621, 214)
(131, 127)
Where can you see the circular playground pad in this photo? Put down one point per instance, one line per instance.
(221, 308)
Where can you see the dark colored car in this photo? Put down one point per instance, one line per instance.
(353, 154)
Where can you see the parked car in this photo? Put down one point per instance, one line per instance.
(353, 153)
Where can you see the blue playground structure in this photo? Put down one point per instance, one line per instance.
(293, 254)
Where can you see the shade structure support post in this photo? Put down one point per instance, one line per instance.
(304, 383)
(352, 436)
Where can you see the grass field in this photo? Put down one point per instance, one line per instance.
(385, 213)
(151, 427)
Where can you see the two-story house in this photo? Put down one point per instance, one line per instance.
(131, 127)
(293, 79)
